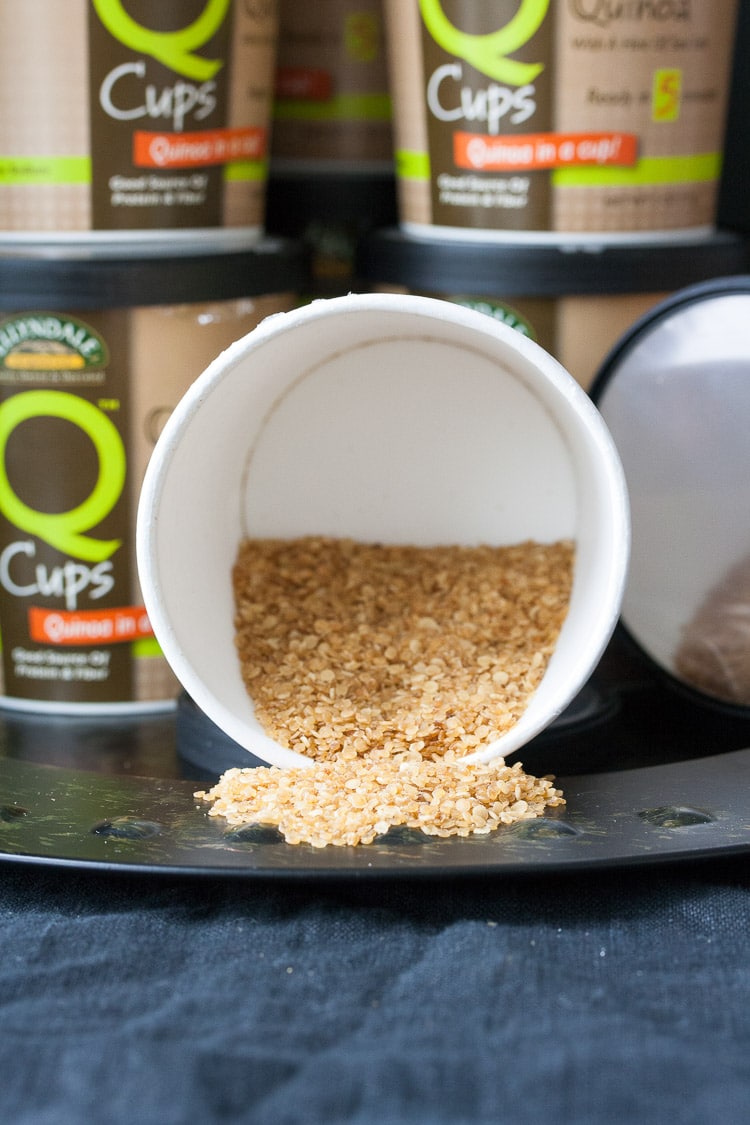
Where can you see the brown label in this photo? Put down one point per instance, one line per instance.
(579, 116)
(65, 570)
(332, 92)
(648, 84)
(484, 112)
(158, 105)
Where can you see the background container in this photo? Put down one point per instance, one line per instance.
(563, 118)
(575, 301)
(94, 354)
(332, 105)
(331, 176)
(153, 119)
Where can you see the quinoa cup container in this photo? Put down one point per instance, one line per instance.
(381, 418)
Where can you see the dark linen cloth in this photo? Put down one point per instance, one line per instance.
(620, 996)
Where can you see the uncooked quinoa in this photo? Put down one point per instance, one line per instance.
(345, 802)
(385, 666)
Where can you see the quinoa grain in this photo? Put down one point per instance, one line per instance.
(386, 666)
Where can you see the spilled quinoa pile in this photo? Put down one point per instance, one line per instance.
(385, 666)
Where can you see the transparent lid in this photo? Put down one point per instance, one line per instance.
(675, 394)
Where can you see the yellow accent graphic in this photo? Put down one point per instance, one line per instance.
(412, 165)
(362, 36)
(487, 52)
(341, 107)
(175, 49)
(66, 530)
(19, 170)
(44, 361)
(702, 167)
(666, 95)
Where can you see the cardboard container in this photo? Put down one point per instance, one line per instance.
(151, 122)
(576, 301)
(558, 119)
(382, 418)
(332, 104)
(94, 354)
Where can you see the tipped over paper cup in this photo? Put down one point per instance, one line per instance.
(379, 418)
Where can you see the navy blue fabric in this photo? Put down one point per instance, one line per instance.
(621, 996)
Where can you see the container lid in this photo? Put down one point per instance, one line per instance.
(97, 281)
(675, 394)
(361, 200)
(452, 267)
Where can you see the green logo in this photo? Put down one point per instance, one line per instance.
(172, 48)
(66, 530)
(487, 52)
(41, 341)
(504, 313)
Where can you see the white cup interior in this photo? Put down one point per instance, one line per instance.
(382, 418)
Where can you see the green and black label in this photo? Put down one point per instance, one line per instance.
(489, 95)
(65, 560)
(158, 111)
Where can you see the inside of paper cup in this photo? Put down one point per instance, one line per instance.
(384, 420)
(408, 439)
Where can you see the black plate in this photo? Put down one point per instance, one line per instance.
(118, 795)
(50, 815)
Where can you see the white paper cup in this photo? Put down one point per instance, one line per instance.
(387, 418)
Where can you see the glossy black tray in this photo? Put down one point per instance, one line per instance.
(648, 778)
(51, 815)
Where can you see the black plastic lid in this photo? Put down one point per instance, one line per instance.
(95, 281)
(473, 267)
(362, 201)
(675, 395)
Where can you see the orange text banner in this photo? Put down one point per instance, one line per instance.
(531, 151)
(88, 627)
(195, 150)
